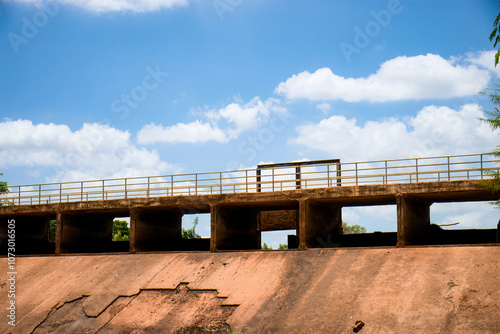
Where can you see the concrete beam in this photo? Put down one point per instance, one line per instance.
(320, 224)
(278, 220)
(234, 228)
(84, 233)
(155, 230)
(413, 219)
(31, 234)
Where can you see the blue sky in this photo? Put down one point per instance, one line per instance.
(114, 88)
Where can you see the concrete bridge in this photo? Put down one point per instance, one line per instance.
(305, 196)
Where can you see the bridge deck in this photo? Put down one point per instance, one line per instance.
(311, 196)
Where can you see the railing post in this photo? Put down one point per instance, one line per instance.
(339, 174)
(272, 178)
(125, 188)
(481, 166)
(297, 177)
(356, 168)
(416, 169)
(196, 184)
(386, 172)
(81, 194)
(258, 180)
(220, 181)
(328, 175)
(60, 192)
(102, 191)
(449, 176)
(171, 186)
(39, 194)
(148, 186)
(246, 180)
(19, 195)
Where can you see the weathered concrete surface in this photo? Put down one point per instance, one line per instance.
(444, 191)
(414, 219)
(392, 290)
(278, 220)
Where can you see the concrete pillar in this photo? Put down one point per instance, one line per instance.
(58, 233)
(84, 233)
(155, 230)
(413, 215)
(31, 234)
(320, 224)
(234, 229)
(498, 232)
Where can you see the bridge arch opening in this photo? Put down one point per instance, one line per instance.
(369, 226)
(279, 240)
(463, 223)
(120, 236)
(278, 229)
(31, 234)
(196, 231)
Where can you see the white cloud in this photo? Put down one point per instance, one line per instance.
(218, 125)
(243, 118)
(324, 107)
(95, 151)
(468, 214)
(484, 59)
(402, 78)
(101, 6)
(434, 131)
(374, 218)
(194, 132)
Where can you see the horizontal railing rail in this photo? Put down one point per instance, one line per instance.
(428, 169)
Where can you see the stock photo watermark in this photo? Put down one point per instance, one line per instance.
(122, 107)
(253, 144)
(223, 6)
(138, 93)
(11, 272)
(364, 35)
(30, 27)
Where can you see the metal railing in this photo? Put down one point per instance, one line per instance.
(445, 168)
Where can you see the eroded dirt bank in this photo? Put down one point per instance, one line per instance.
(407, 290)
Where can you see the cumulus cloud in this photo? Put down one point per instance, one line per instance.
(468, 215)
(194, 132)
(101, 6)
(402, 78)
(95, 151)
(219, 125)
(324, 107)
(434, 131)
(484, 59)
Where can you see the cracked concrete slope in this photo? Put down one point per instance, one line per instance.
(392, 290)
